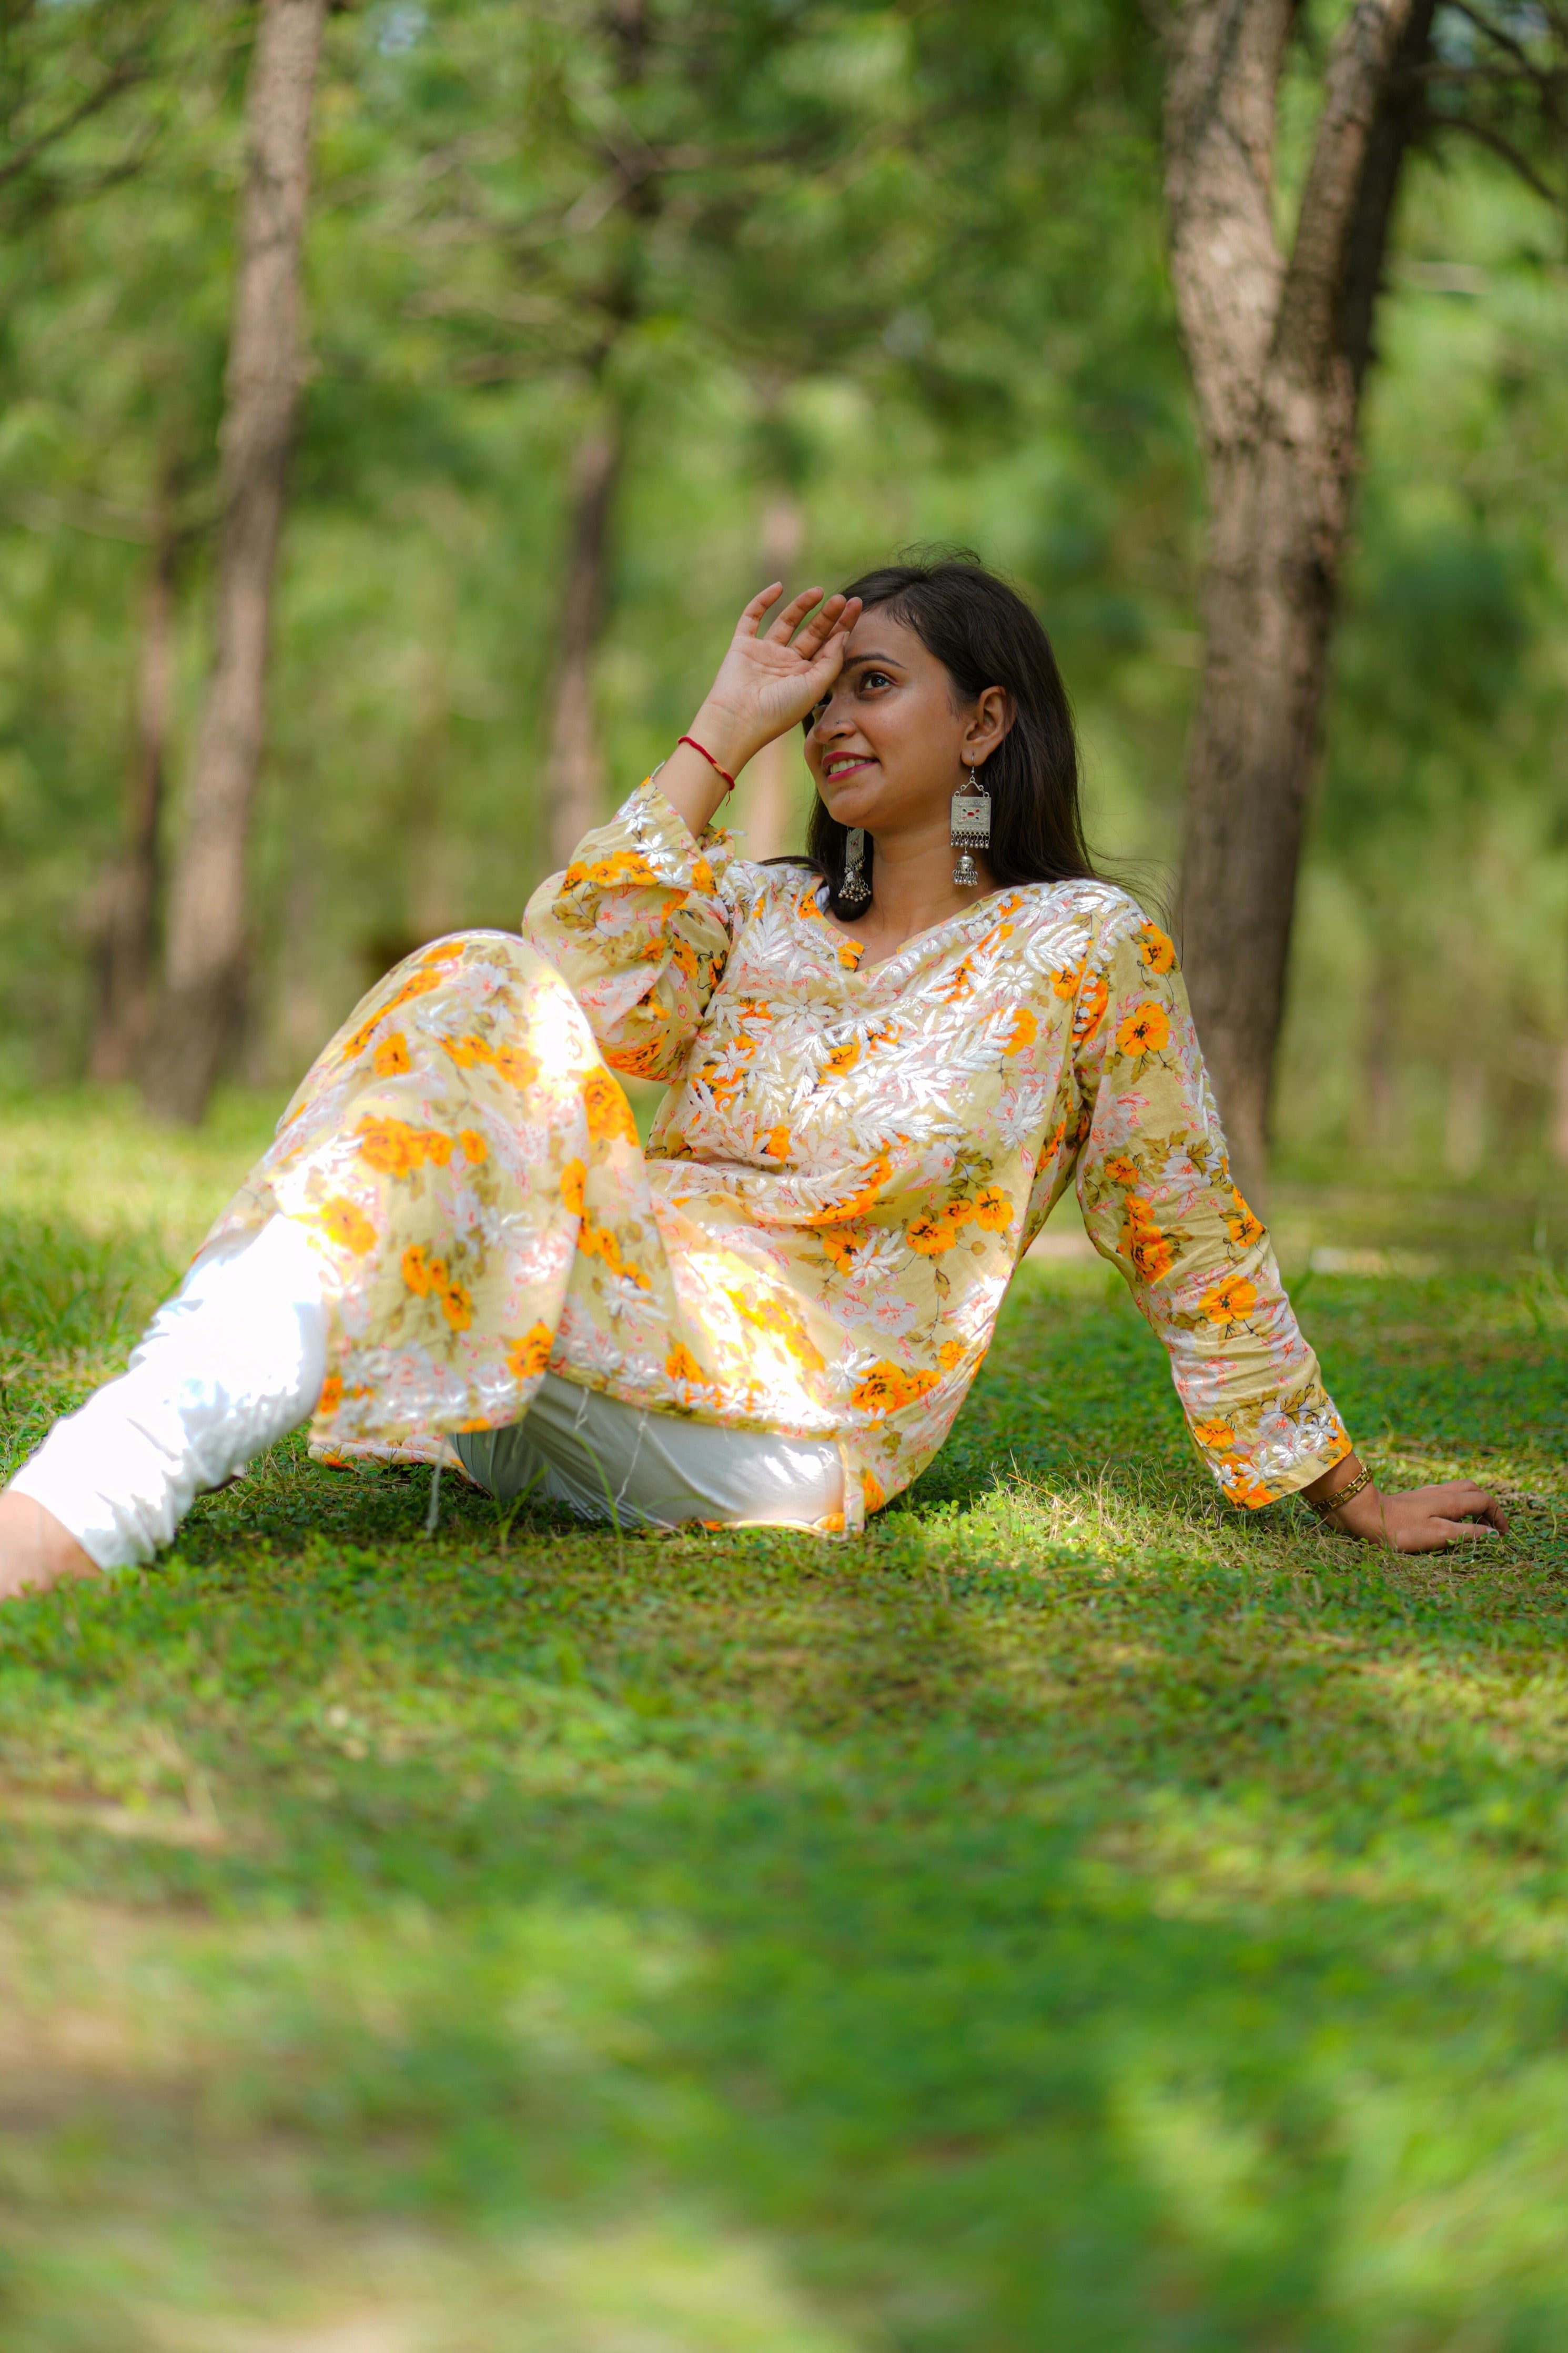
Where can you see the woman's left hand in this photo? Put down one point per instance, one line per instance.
(1423, 1519)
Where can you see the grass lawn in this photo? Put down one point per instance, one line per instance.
(1071, 1919)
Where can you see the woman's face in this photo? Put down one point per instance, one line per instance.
(889, 747)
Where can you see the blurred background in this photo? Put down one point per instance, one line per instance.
(612, 315)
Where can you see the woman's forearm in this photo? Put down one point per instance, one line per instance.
(694, 786)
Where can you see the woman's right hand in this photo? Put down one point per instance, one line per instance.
(767, 682)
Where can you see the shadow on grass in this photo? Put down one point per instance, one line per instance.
(1068, 1918)
(1029, 1949)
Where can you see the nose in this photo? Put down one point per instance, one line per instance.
(829, 719)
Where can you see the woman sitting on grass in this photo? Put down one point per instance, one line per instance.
(884, 1068)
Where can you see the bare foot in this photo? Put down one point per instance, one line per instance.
(35, 1552)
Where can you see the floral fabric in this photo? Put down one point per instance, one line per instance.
(845, 1172)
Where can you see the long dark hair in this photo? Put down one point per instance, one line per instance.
(985, 635)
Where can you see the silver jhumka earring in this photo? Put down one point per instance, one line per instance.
(853, 890)
(970, 830)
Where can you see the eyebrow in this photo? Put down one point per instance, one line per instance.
(888, 661)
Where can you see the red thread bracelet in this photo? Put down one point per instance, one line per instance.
(712, 763)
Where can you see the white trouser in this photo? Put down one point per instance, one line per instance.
(236, 1359)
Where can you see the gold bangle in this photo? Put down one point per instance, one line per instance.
(1331, 1503)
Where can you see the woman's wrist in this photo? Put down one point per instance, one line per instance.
(1346, 1497)
(725, 737)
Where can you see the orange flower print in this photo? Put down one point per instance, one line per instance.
(1242, 1484)
(931, 1236)
(466, 1052)
(388, 1146)
(1024, 1032)
(1244, 1227)
(849, 951)
(332, 1397)
(951, 1355)
(1065, 980)
(574, 1178)
(340, 1222)
(1091, 1007)
(682, 1365)
(1214, 1434)
(392, 1057)
(1145, 1031)
(476, 1151)
(777, 1143)
(959, 1213)
(418, 984)
(703, 876)
(885, 1388)
(1231, 1302)
(841, 1247)
(993, 1209)
(396, 1149)
(1151, 1252)
(1157, 951)
(1120, 1170)
(610, 1113)
(516, 1067)
(416, 1270)
(531, 1355)
(842, 1059)
(881, 1391)
(457, 1306)
(871, 1488)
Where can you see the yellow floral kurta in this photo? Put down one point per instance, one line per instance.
(839, 1184)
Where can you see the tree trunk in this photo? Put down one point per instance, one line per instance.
(205, 959)
(1277, 348)
(129, 944)
(574, 772)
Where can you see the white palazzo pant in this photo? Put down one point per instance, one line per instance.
(236, 1359)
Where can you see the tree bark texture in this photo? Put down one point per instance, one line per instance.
(208, 912)
(574, 771)
(1277, 344)
(128, 944)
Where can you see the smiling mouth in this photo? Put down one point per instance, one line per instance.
(833, 769)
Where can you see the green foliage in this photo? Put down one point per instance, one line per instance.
(1072, 1915)
(900, 266)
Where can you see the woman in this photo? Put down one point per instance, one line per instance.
(884, 1069)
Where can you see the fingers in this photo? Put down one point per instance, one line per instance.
(786, 623)
(837, 618)
(746, 626)
(1462, 1500)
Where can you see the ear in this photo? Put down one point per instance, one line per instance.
(988, 721)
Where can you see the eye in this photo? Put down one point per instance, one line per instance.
(874, 678)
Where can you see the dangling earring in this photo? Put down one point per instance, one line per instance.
(853, 890)
(970, 830)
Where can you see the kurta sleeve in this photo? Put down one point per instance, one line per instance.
(639, 926)
(1154, 1184)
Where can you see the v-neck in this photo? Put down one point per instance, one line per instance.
(860, 969)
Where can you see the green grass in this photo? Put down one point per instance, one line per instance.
(1070, 1919)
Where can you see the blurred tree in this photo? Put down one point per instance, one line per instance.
(1279, 342)
(62, 69)
(208, 909)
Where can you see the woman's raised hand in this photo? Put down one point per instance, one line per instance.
(767, 682)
